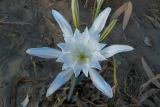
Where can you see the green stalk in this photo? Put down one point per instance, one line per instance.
(72, 88)
(100, 2)
(108, 29)
(75, 12)
(115, 75)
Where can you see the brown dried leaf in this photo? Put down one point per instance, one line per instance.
(149, 72)
(156, 100)
(150, 103)
(60, 102)
(80, 103)
(120, 10)
(143, 86)
(120, 102)
(147, 94)
(127, 15)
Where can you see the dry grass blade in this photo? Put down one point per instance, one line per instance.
(126, 8)
(80, 103)
(127, 15)
(147, 94)
(120, 10)
(149, 72)
(60, 102)
(143, 86)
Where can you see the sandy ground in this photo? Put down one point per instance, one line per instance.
(28, 23)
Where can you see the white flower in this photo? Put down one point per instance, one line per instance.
(80, 52)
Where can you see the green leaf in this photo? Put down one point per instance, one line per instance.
(108, 29)
(75, 12)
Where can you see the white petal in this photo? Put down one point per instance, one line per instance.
(60, 80)
(77, 70)
(100, 46)
(114, 49)
(64, 47)
(65, 58)
(85, 69)
(44, 52)
(95, 36)
(95, 64)
(25, 102)
(76, 33)
(100, 21)
(85, 35)
(98, 56)
(81, 66)
(81, 37)
(64, 25)
(100, 83)
(65, 66)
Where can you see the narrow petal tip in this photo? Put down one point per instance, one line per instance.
(55, 13)
(44, 52)
(64, 25)
(59, 81)
(28, 51)
(100, 21)
(109, 9)
(48, 93)
(115, 49)
(131, 48)
(100, 83)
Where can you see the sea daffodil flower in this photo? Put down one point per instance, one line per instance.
(81, 52)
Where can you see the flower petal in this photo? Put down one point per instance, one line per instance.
(85, 69)
(64, 25)
(44, 52)
(64, 47)
(81, 66)
(81, 37)
(77, 70)
(98, 56)
(95, 64)
(100, 83)
(99, 22)
(65, 58)
(65, 66)
(85, 35)
(114, 49)
(100, 46)
(60, 80)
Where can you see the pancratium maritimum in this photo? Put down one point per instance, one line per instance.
(81, 52)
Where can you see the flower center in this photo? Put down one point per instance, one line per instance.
(82, 57)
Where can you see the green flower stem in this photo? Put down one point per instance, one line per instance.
(72, 88)
(108, 29)
(115, 75)
(75, 13)
(100, 2)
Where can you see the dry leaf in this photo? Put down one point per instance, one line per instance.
(147, 94)
(80, 103)
(149, 72)
(25, 102)
(150, 103)
(143, 86)
(120, 10)
(126, 8)
(127, 15)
